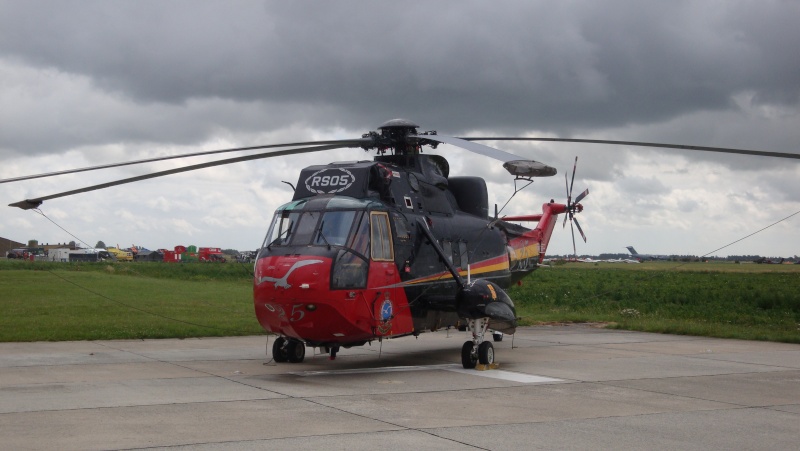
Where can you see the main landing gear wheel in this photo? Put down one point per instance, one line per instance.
(279, 353)
(497, 336)
(485, 353)
(296, 351)
(468, 358)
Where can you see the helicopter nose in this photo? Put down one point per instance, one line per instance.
(279, 273)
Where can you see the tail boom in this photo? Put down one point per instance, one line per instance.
(532, 245)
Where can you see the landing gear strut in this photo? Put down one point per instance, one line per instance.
(288, 350)
(477, 350)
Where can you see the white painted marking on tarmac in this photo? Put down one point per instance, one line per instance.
(506, 375)
(387, 369)
(493, 374)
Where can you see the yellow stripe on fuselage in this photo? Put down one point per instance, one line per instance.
(474, 270)
(525, 252)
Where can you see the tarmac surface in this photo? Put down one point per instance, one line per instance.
(560, 387)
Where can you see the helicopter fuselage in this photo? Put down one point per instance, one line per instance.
(347, 260)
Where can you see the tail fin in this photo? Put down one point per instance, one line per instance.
(631, 250)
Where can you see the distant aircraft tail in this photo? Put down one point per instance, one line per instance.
(631, 250)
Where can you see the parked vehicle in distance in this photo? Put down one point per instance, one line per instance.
(17, 253)
(211, 254)
(146, 255)
(60, 254)
(66, 254)
(89, 255)
(120, 255)
(247, 256)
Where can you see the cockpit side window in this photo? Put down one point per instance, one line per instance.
(281, 229)
(360, 243)
(381, 237)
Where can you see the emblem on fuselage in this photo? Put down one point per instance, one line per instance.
(330, 181)
(283, 281)
(387, 310)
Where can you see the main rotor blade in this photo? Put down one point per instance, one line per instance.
(28, 204)
(760, 153)
(490, 152)
(517, 166)
(342, 142)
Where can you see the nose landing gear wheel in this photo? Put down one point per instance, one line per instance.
(486, 353)
(468, 359)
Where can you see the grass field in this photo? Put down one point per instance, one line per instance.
(748, 301)
(60, 301)
(57, 301)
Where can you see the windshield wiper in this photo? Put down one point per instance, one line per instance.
(320, 235)
(280, 236)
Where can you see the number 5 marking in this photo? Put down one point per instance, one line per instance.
(297, 313)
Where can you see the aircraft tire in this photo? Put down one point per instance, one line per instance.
(296, 351)
(468, 359)
(486, 353)
(497, 337)
(279, 353)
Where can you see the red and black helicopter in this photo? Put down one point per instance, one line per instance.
(394, 246)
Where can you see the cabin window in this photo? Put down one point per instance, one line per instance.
(381, 237)
(457, 255)
(463, 254)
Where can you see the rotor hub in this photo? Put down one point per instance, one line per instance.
(394, 134)
(398, 124)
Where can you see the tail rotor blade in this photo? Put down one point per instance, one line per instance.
(574, 248)
(578, 225)
(566, 186)
(582, 195)
(574, 167)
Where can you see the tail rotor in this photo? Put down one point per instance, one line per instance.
(574, 207)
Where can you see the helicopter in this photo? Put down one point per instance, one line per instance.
(394, 246)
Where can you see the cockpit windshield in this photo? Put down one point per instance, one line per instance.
(322, 221)
(306, 228)
(318, 228)
(335, 227)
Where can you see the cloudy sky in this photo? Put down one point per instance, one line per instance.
(91, 82)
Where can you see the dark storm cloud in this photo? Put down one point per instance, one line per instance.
(567, 67)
